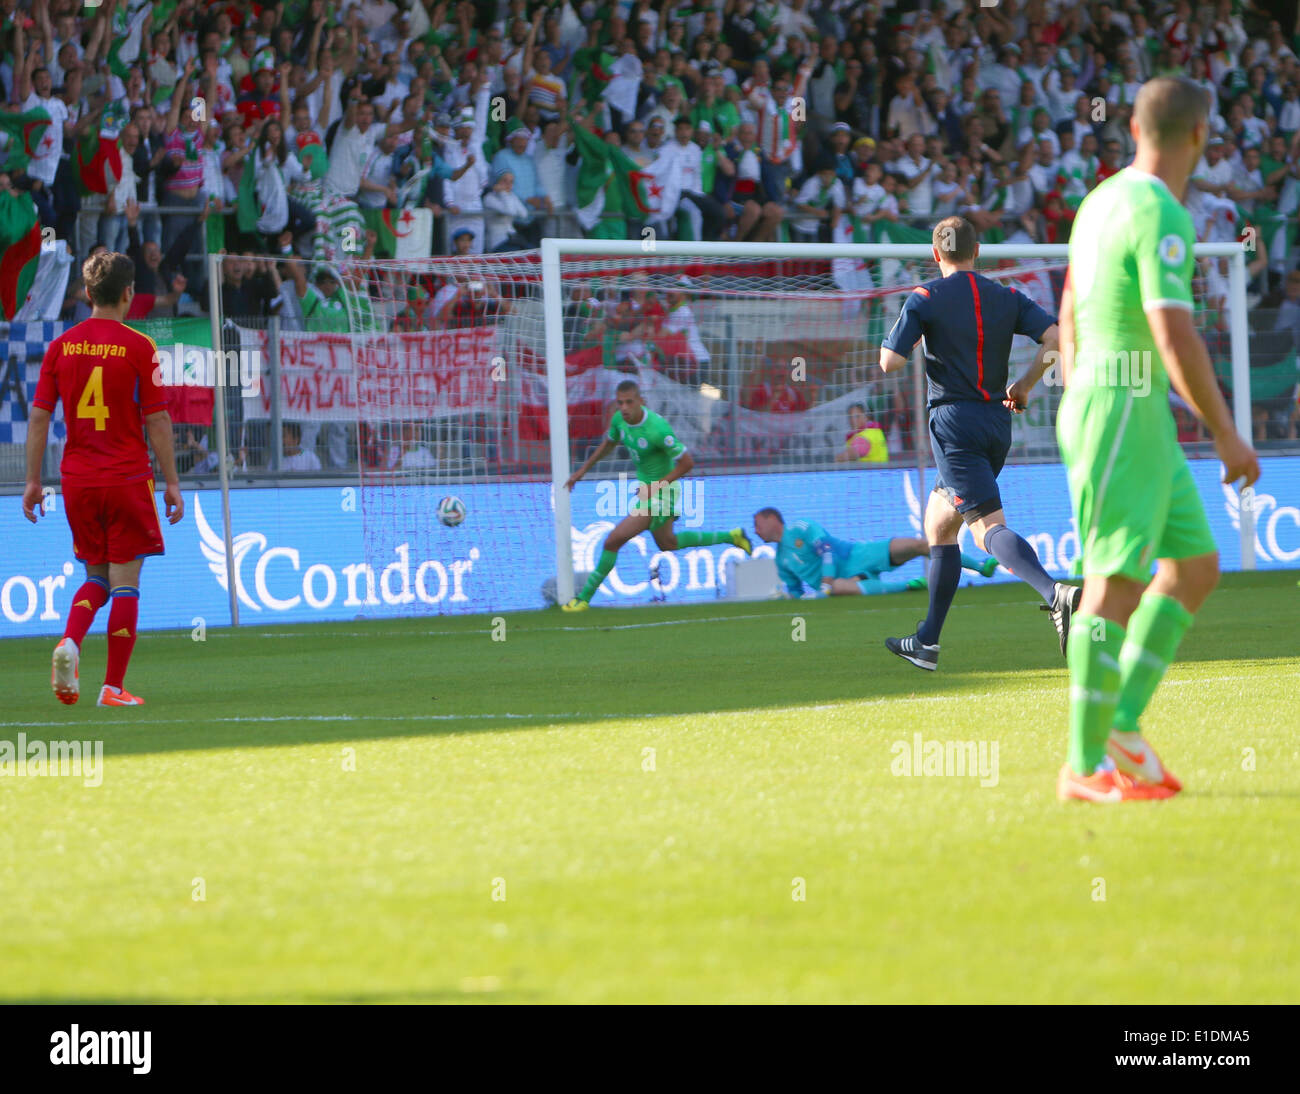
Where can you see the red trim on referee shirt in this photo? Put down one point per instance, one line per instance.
(922, 290)
(979, 332)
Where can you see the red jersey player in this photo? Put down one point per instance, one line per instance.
(105, 374)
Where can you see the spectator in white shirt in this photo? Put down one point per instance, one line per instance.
(275, 170)
(378, 188)
(296, 458)
(503, 210)
(112, 225)
(553, 178)
(819, 203)
(44, 164)
(907, 110)
(1043, 170)
(919, 173)
(463, 196)
(707, 214)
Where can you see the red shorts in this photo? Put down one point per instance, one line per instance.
(113, 523)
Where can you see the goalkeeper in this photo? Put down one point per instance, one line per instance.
(661, 460)
(807, 554)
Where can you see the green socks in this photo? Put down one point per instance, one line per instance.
(701, 539)
(608, 558)
(606, 563)
(1093, 656)
(1155, 629)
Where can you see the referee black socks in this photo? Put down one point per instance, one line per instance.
(944, 574)
(1015, 554)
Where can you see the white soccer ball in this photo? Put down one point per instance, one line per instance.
(451, 511)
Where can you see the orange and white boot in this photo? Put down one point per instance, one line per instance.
(1106, 785)
(1138, 760)
(110, 696)
(65, 672)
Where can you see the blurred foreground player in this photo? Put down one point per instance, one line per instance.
(108, 377)
(1127, 334)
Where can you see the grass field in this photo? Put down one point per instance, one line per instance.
(523, 769)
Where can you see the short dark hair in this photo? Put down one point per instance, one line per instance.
(107, 276)
(294, 430)
(858, 406)
(955, 239)
(628, 385)
(770, 511)
(1168, 107)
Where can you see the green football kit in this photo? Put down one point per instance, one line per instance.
(1133, 494)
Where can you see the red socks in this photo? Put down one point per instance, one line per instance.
(121, 632)
(87, 600)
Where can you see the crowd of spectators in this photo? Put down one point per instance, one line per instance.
(302, 130)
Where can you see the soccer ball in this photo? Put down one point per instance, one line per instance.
(451, 511)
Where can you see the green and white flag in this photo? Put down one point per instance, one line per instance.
(127, 28)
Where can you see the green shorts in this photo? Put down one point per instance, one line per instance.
(664, 508)
(1134, 497)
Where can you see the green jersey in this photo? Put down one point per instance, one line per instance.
(1133, 494)
(652, 442)
(1130, 251)
(325, 313)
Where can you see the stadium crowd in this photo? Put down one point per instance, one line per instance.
(307, 129)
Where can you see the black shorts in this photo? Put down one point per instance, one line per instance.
(970, 442)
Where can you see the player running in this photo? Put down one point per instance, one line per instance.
(967, 322)
(807, 554)
(661, 461)
(1127, 333)
(104, 372)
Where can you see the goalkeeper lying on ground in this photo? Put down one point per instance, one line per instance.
(807, 554)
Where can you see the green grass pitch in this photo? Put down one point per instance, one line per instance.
(623, 806)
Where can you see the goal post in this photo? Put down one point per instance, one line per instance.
(554, 252)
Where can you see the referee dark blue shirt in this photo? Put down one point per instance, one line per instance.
(965, 323)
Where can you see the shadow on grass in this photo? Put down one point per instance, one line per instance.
(350, 682)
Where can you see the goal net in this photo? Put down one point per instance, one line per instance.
(491, 378)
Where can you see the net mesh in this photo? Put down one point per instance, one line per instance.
(759, 364)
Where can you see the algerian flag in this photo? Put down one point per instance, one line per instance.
(99, 163)
(594, 174)
(49, 288)
(24, 132)
(406, 233)
(643, 191)
(20, 245)
(125, 50)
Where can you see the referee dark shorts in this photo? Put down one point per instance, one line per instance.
(970, 442)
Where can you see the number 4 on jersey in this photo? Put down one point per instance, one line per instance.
(91, 404)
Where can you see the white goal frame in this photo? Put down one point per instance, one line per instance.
(553, 250)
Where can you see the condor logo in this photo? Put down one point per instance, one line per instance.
(400, 582)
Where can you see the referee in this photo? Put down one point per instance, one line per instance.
(967, 322)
